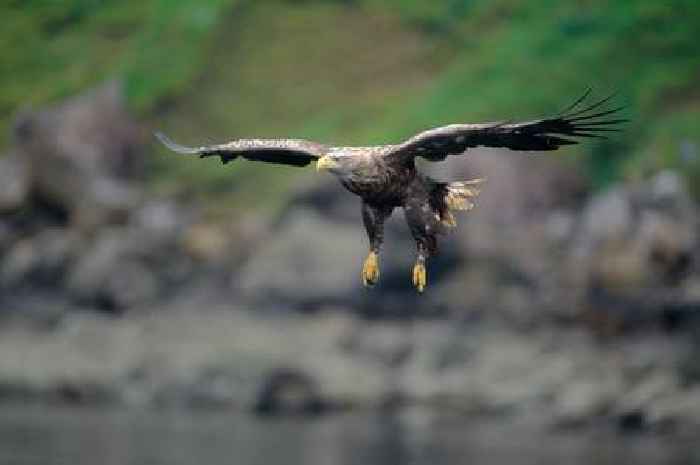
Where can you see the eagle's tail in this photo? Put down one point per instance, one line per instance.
(459, 195)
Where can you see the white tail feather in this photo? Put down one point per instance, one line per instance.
(460, 196)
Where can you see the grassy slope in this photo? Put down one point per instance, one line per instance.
(362, 73)
(523, 58)
(54, 49)
(327, 72)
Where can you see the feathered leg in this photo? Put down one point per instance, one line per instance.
(428, 210)
(373, 218)
(425, 225)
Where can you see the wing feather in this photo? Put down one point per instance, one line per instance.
(542, 134)
(294, 152)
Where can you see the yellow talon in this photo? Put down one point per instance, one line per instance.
(419, 277)
(370, 270)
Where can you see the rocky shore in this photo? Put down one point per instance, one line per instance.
(550, 298)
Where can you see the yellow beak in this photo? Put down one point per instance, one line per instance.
(325, 163)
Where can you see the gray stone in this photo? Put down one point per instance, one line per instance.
(14, 182)
(42, 259)
(607, 217)
(581, 402)
(84, 155)
(309, 259)
(682, 408)
(118, 269)
(161, 217)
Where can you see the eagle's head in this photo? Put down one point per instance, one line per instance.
(346, 163)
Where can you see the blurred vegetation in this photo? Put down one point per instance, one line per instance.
(362, 71)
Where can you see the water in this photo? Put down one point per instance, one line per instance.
(88, 437)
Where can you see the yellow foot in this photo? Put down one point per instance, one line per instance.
(370, 270)
(419, 277)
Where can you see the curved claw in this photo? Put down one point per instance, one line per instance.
(370, 270)
(420, 279)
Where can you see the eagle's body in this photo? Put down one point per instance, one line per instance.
(373, 180)
(385, 176)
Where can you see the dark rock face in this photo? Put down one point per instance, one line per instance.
(635, 252)
(73, 218)
(84, 155)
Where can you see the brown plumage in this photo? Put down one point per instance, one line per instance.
(385, 176)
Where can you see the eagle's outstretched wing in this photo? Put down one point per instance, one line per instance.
(542, 134)
(294, 152)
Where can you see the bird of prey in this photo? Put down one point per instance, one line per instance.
(385, 176)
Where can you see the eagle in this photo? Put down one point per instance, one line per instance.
(385, 176)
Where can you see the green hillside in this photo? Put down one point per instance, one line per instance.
(362, 71)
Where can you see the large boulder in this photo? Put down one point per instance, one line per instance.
(127, 266)
(633, 252)
(41, 259)
(309, 259)
(537, 246)
(510, 246)
(84, 155)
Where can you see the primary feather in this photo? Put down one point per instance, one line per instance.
(538, 135)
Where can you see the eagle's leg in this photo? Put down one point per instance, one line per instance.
(424, 223)
(373, 218)
(420, 278)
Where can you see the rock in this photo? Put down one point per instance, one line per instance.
(552, 254)
(84, 155)
(104, 200)
(124, 267)
(229, 357)
(581, 402)
(388, 344)
(327, 198)
(289, 391)
(657, 385)
(7, 236)
(601, 254)
(85, 393)
(668, 245)
(683, 408)
(39, 260)
(633, 408)
(161, 218)
(213, 388)
(633, 251)
(14, 182)
(632, 421)
(669, 191)
(130, 283)
(513, 207)
(607, 217)
(309, 259)
(18, 263)
(514, 238)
